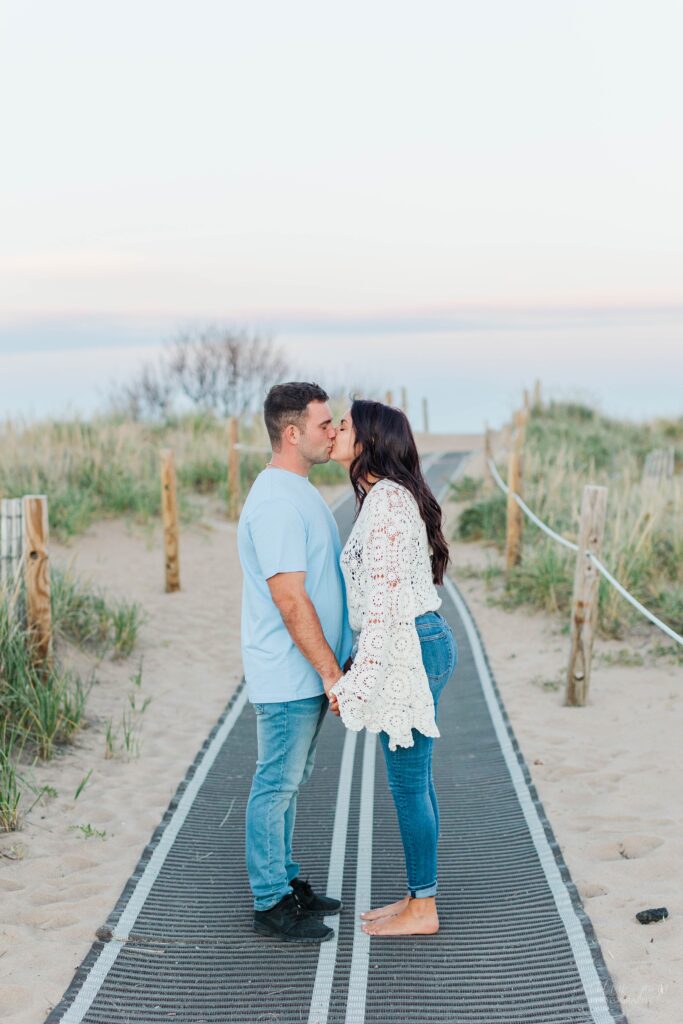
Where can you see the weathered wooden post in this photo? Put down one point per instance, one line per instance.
(389, 398)
(404, 400)
(11, 540)
(233, 468)
(537, 400)
(425, 416)
(527, 402)
(488, 454)
(169, 512)
(515, 516)
(37, 577)
(585, 598)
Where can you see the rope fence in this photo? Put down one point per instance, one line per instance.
(589, 554)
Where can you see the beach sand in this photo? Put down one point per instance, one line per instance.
(609, 775)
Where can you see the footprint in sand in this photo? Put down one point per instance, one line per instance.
(589, 890)
(13, 997)
(72, 862)
(629, 848)
(7, 885)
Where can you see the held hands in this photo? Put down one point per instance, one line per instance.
(330, 681)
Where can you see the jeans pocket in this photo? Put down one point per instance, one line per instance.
(437, 655)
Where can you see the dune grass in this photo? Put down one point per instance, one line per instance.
(43, 707)
(110, 467)
(569, 445)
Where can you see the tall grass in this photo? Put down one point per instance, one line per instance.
(43, 707)
(568, 446)
(110, 467)
(89, 619)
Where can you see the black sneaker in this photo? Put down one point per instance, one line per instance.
(311, 903)
(288, 922)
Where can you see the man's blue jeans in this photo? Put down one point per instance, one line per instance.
(287, 735)
(409, 769)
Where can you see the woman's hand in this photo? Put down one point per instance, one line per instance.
(328, 683)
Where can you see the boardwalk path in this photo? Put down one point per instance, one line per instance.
(515, 945)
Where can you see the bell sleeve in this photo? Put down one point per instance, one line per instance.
(386, 689)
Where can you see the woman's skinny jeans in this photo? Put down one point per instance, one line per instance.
(409, 769)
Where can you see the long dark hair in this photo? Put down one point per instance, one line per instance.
(389, 452)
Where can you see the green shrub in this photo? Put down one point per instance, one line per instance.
(467, 488)
(485, 520)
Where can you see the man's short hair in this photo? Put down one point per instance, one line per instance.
(287, 403)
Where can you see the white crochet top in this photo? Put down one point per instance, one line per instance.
(388, 576)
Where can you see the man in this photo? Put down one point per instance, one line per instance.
(295, 636)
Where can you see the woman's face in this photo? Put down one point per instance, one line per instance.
(344, 449)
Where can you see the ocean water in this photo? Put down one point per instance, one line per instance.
(470, 369)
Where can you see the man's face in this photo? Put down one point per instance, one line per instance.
(317, 433)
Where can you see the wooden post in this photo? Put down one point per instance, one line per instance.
(537, 400)
(404, 400)
(515, 516)
(37, 577)
(527, 401)
(389, 398)
(233, 469)
(11, 541)
(169, 512)
(488, 454)
(425, 416)
(585, 599)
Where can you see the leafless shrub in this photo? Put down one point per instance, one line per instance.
(217, 369)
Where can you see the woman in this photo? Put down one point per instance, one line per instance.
(406, 652)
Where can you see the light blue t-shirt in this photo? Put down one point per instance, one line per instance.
(286, 526)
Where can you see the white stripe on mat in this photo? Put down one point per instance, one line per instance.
(592, 985)
(360, 956)
(324, 978)
(324, 975)
(100, 969)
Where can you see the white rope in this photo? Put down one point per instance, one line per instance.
(598, 564)
(534, 518)
(629, 597)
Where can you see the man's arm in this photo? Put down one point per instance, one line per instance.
(301, 619)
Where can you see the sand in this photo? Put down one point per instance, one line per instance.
(609, 775)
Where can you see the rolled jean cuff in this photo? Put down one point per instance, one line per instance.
(423, 891)
(267, 902)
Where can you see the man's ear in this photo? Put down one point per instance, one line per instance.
(291, 433)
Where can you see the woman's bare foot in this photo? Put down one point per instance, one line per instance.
(418, 918)
(388, 911)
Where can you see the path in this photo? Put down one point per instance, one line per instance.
(515, 945)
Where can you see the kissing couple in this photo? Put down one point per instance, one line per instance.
(302, 598)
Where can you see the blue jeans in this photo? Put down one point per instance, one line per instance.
(409, 769)
(287, 734)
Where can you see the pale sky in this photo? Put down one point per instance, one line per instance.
(224, 159)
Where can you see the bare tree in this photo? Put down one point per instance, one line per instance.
(215, 368)
(148, 396)
(225, 370)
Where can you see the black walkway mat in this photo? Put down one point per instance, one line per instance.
(515, 945)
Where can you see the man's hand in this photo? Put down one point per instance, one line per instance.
(328, 683)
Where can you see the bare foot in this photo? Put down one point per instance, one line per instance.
(418, 918)
(391, 908)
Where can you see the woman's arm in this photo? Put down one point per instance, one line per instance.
(386, 688)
